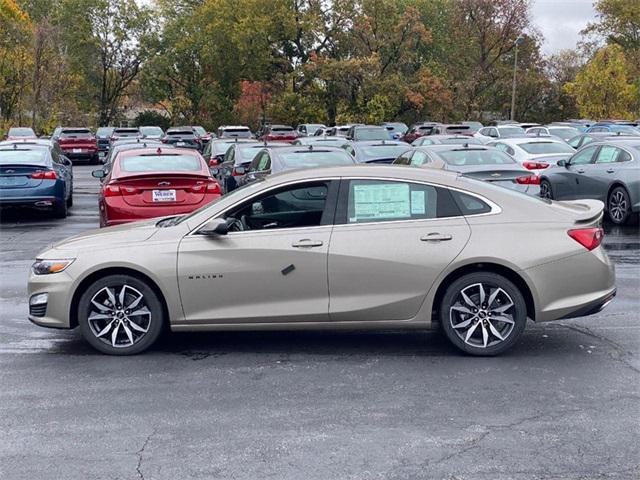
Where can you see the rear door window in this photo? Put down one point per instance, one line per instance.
(607, 154)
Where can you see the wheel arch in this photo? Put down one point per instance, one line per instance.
(103, 272)
(483, 267)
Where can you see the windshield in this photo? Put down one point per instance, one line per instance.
(199, 130)
(21, 132)
(476, 157)
(22, 156)
(625, 129)
(247, 154)
(160, 163)
(156, 131)
(315, 159)
(378, 133)
(104, 132)
(564, 133)
(546, 147)
(383, 151)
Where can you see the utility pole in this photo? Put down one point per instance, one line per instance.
(518, 41)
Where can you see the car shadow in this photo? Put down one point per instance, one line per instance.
(26, 215)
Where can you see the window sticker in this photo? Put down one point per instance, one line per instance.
(417, 202)
(381, 201)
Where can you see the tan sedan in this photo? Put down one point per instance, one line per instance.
(344, 247)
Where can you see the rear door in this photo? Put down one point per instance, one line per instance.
(391, 241)
(603, 171)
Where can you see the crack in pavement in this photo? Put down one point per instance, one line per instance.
(141, 451)
(620, 351)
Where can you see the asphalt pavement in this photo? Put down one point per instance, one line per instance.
(563, 404)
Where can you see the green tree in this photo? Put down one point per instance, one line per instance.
(602, 88)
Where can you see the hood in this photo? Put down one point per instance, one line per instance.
(106, 237)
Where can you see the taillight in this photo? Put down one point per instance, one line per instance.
(528, 180)
(164, 140)
(44, 175)
(111, 191)
(213, 187)
(213, 162)
(535, 165)
(589, 238)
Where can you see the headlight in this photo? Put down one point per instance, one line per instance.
(45, 267)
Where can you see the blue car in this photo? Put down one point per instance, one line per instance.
(613, 128)
(35, 175)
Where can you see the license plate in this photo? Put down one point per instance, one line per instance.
(77, 150)
(164, 196)
(9, 181)
(181, 144)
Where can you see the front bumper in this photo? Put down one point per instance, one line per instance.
(58, 286)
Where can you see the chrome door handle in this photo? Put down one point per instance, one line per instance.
(580, 171)
(610, 170)
(307, 243)
(436, 237)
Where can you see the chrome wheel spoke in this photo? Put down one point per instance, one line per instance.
(485, 336)
(141, 311)
(114, 334)
(112, 297)
(503, 319)
(470, 331)
(134, 303)
(102, 308)
(482, 294)
(495, 331)
(492, 297)
(462, 308)
(99, 316)
(502, 308)
(128, 332)
(121, 296)
(105, 329)
(464, 323)
(467, 300)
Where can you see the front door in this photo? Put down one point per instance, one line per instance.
(272, 266)
(392, 239)
(573, 176)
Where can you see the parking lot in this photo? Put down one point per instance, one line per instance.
(564, 403)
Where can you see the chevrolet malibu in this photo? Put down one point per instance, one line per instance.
(350, 247)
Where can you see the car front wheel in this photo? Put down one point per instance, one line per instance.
(483, 314)
(120, 315)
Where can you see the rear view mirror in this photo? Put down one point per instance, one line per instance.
(99, 174)
(216, 226)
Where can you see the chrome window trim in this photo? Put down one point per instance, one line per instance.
(495, 208)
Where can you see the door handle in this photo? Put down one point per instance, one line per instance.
(307, 243)
(580, 170)
(436, 237)
(610, 170)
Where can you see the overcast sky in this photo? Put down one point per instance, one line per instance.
(560, 21)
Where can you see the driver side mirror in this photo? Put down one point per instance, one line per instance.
(216, 226)
(563, 163)
(241, 170)
(99, 174)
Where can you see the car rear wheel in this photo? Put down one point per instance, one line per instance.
(483, 314)
(545, 190)
(70, 200)
(60, 209)
(619, 206)
(120, 315)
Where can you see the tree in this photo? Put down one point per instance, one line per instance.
(602, 88)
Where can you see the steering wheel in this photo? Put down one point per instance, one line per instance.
(236, 225)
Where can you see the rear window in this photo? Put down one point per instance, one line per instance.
(458, 128)
(384, 151)
(315, 159)
(79, 133)
(511, 131)
(104, 131)
(160, 163)
(476, 157)
(546, 147)
(151, 130)
(179, 132)
(126, 130)
(236, 130)
(461, 141)
(22, 156)
(21, 132)
(379, 133)
(282, 129)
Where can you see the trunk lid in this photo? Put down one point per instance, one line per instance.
(19, 176)
(162, 190)
(583, 212)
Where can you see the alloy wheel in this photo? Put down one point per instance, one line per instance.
(482, 315)
(618, 206)
(119, 316)
(545, 190)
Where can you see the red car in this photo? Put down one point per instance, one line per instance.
(418, 130)
(279, 133)
(78, 143)
(154, 182)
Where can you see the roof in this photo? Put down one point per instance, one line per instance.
(535, 139)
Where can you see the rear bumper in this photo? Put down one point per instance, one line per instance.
(77, 155)
(574, 286)
(119, 214)
(29, 201)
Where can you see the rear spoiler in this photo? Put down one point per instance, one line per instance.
(583, 211)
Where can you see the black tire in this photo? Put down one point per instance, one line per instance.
(126, 343)
(490, 320)
(60, 209)
(545, 189)
(619, 206)
(70, 201)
